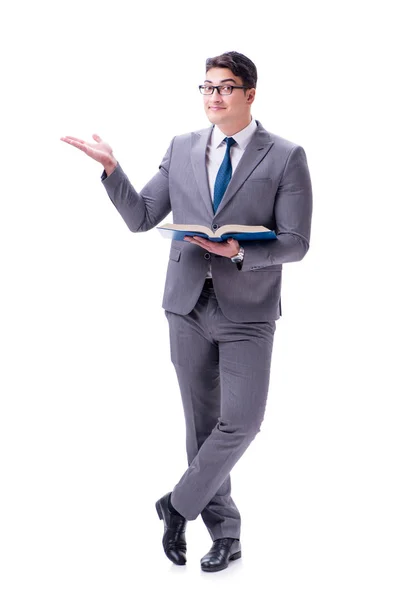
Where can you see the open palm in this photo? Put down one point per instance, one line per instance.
(100, 150)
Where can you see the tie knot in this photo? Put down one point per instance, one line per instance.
(229, 141)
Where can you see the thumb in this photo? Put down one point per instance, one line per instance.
(96, 137)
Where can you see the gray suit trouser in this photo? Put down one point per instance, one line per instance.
(223, 373)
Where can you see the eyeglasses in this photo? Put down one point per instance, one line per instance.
(223, 90)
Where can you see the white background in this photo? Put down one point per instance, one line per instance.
(92, 430)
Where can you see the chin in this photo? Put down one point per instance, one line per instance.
(215, 118)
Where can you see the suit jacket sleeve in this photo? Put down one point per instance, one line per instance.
(140, 211)
(292, 209)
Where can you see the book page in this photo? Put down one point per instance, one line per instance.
(239, 228)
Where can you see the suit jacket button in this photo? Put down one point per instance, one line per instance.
(207, 255)
(215, 226)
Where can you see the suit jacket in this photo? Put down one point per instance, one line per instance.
(270, 186)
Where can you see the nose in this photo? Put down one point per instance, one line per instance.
(215, 91)
(216, 96)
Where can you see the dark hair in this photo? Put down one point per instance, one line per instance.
(239, 64)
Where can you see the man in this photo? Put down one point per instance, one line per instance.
(221, 299)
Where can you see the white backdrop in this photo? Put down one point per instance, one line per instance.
(92, 430)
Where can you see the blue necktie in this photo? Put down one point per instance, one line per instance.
(224, 174)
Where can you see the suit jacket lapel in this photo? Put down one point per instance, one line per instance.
(259, 145)
(198, 157)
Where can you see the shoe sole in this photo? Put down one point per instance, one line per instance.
(212, 569)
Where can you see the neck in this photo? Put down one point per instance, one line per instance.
(229, 129)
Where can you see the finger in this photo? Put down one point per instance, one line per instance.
(80, 145)
(198, 242)
(233, 244)
(75, 139)
(212, 245)
(97, 137)
(203, 242)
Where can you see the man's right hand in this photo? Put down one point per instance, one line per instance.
(100, 151)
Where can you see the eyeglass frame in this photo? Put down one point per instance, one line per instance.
(216, 87)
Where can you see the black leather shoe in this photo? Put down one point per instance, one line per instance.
(174, 541)
(222, 551)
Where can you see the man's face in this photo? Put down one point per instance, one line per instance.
(227, 110)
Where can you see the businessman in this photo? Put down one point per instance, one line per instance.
(221, 299)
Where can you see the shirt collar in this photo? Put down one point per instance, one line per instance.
(242, 138)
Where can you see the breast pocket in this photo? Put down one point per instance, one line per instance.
(266, 180)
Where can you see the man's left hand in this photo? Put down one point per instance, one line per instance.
(229, 248)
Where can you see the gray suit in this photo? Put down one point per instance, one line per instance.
(221, 338)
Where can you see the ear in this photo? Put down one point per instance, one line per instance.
(251, 94)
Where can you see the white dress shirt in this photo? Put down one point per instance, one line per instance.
(216, 151)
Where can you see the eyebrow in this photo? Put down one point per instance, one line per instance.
(222, 81)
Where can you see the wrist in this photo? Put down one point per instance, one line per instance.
(110, 165)
(236, 249)
(238, 258)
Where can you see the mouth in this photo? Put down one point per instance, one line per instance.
(216, 108)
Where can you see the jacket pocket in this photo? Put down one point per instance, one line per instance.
(175, 254)
(266, 269)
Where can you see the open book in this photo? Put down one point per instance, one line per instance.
(238, 232)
